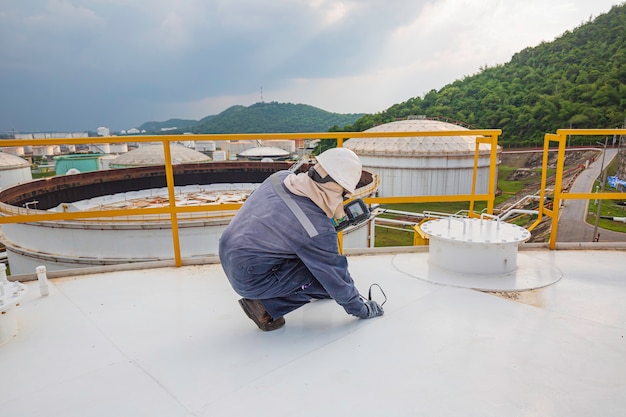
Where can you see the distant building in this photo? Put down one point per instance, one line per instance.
(48, 135)
(103, 131)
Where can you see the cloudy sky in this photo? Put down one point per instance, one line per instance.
(72, 65)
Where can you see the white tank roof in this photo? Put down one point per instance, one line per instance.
(8, 161)
(264, 151)
(415, 145)
(153, 155)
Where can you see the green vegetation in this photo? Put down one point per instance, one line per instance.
(37, 175)
(608, 208)
(273, 118)
(270, 117)
(578, 81)
(611, 209)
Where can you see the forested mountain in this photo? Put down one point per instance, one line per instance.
(578, 80)
(263, 117)
(273, 117)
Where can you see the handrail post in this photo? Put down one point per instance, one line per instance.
(493, 173)
(474, 178)
(169, 176)
(544, 180)
(558, 186)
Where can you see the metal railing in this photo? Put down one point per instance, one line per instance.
(174, 211)
(559, 195)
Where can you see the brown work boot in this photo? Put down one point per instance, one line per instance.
(257, 313)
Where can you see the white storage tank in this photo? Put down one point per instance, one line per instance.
(219, 156)
(287, 145)
(14, 150)
(100, 148)
(118, 148)
(134, 238)
(423, 165)
(205, 145)
(262, 152)
(13, 170)
(154, 155)
(234, 148)
(43, 150)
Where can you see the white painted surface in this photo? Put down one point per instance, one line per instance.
(174, 342)
(474, 246)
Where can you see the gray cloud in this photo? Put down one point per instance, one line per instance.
(80, 64)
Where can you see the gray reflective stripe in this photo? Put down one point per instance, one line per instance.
(293, 206)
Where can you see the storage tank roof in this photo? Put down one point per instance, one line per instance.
(264, 151)
(415, 145)
(154, 155)
(8, 161)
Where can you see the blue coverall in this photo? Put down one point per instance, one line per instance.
(267, 254)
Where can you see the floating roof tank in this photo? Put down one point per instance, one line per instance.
(107, 241)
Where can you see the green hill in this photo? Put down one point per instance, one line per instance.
(578, 80)
(273, 118)
(258, 118)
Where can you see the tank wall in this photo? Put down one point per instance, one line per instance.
(11, 177)
(424, 162)
(81, 164)
(114, 245)
(44, 150)
(237, 147)
(407, 182)
(205, 145)
(23, 263)
(406, 176)
(100, 148)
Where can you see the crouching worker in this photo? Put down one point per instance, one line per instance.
(281, 250)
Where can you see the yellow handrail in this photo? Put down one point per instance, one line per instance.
(560, 137)
(489, 136)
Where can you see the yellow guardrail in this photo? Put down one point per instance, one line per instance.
(560, 138)
(173, 211)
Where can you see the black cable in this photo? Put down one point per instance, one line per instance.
(369, 294)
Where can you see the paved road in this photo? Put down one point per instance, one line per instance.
(572, 225)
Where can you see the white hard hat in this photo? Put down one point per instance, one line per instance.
(343, 166)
